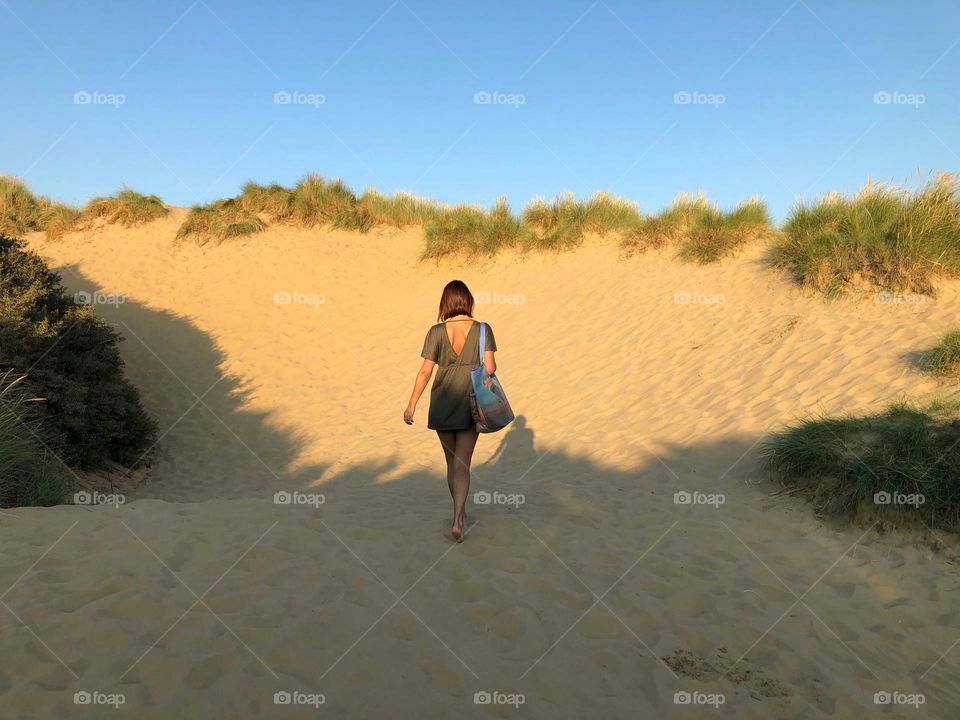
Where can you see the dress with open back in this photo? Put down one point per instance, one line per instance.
(450, 394)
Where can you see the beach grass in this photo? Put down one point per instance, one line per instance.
(218, 221)
(127, 207)
(29, 473)
(943, 359)
(900, 466)
(564, 222)
(469, 230)
(700, 230)
(881, 237)
(22, 211)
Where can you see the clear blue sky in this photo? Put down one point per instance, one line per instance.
(597, 80)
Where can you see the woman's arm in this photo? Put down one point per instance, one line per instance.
(423, 377)
(490, 362)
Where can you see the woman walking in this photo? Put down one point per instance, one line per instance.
(452, 346)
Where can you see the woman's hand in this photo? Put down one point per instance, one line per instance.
(408, 414)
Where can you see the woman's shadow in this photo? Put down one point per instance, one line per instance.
(514, 455)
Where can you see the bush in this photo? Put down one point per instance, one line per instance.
(944, 357)
(881, 237)
(218, 221)
(71, 359)
(29, 473)
(840, 464)
(127, 207)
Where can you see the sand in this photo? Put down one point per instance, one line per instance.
(597, 596)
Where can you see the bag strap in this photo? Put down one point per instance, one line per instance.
(483, 341)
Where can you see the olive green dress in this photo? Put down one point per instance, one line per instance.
(450, 394)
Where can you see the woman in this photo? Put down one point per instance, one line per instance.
(452, 346)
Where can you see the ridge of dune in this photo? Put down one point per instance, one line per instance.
(282, 362)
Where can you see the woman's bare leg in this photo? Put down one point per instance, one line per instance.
(448, 440)
(463, 455)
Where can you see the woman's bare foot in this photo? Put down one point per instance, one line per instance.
(457, 531)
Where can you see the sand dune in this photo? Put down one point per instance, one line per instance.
(598, 596)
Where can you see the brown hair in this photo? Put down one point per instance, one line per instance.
(456, 300)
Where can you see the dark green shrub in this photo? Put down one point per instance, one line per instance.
(72, 360)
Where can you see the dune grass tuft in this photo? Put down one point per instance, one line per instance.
(469, 230)
(564, 222)
(700, 230)
(399, 210)
(128, 208)
(900, 465)
(21, 211)
(218, 221)
(944, 358)
(882, 237)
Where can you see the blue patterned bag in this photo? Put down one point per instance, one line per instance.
(488, 402)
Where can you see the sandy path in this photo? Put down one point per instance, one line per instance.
(309, 396)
